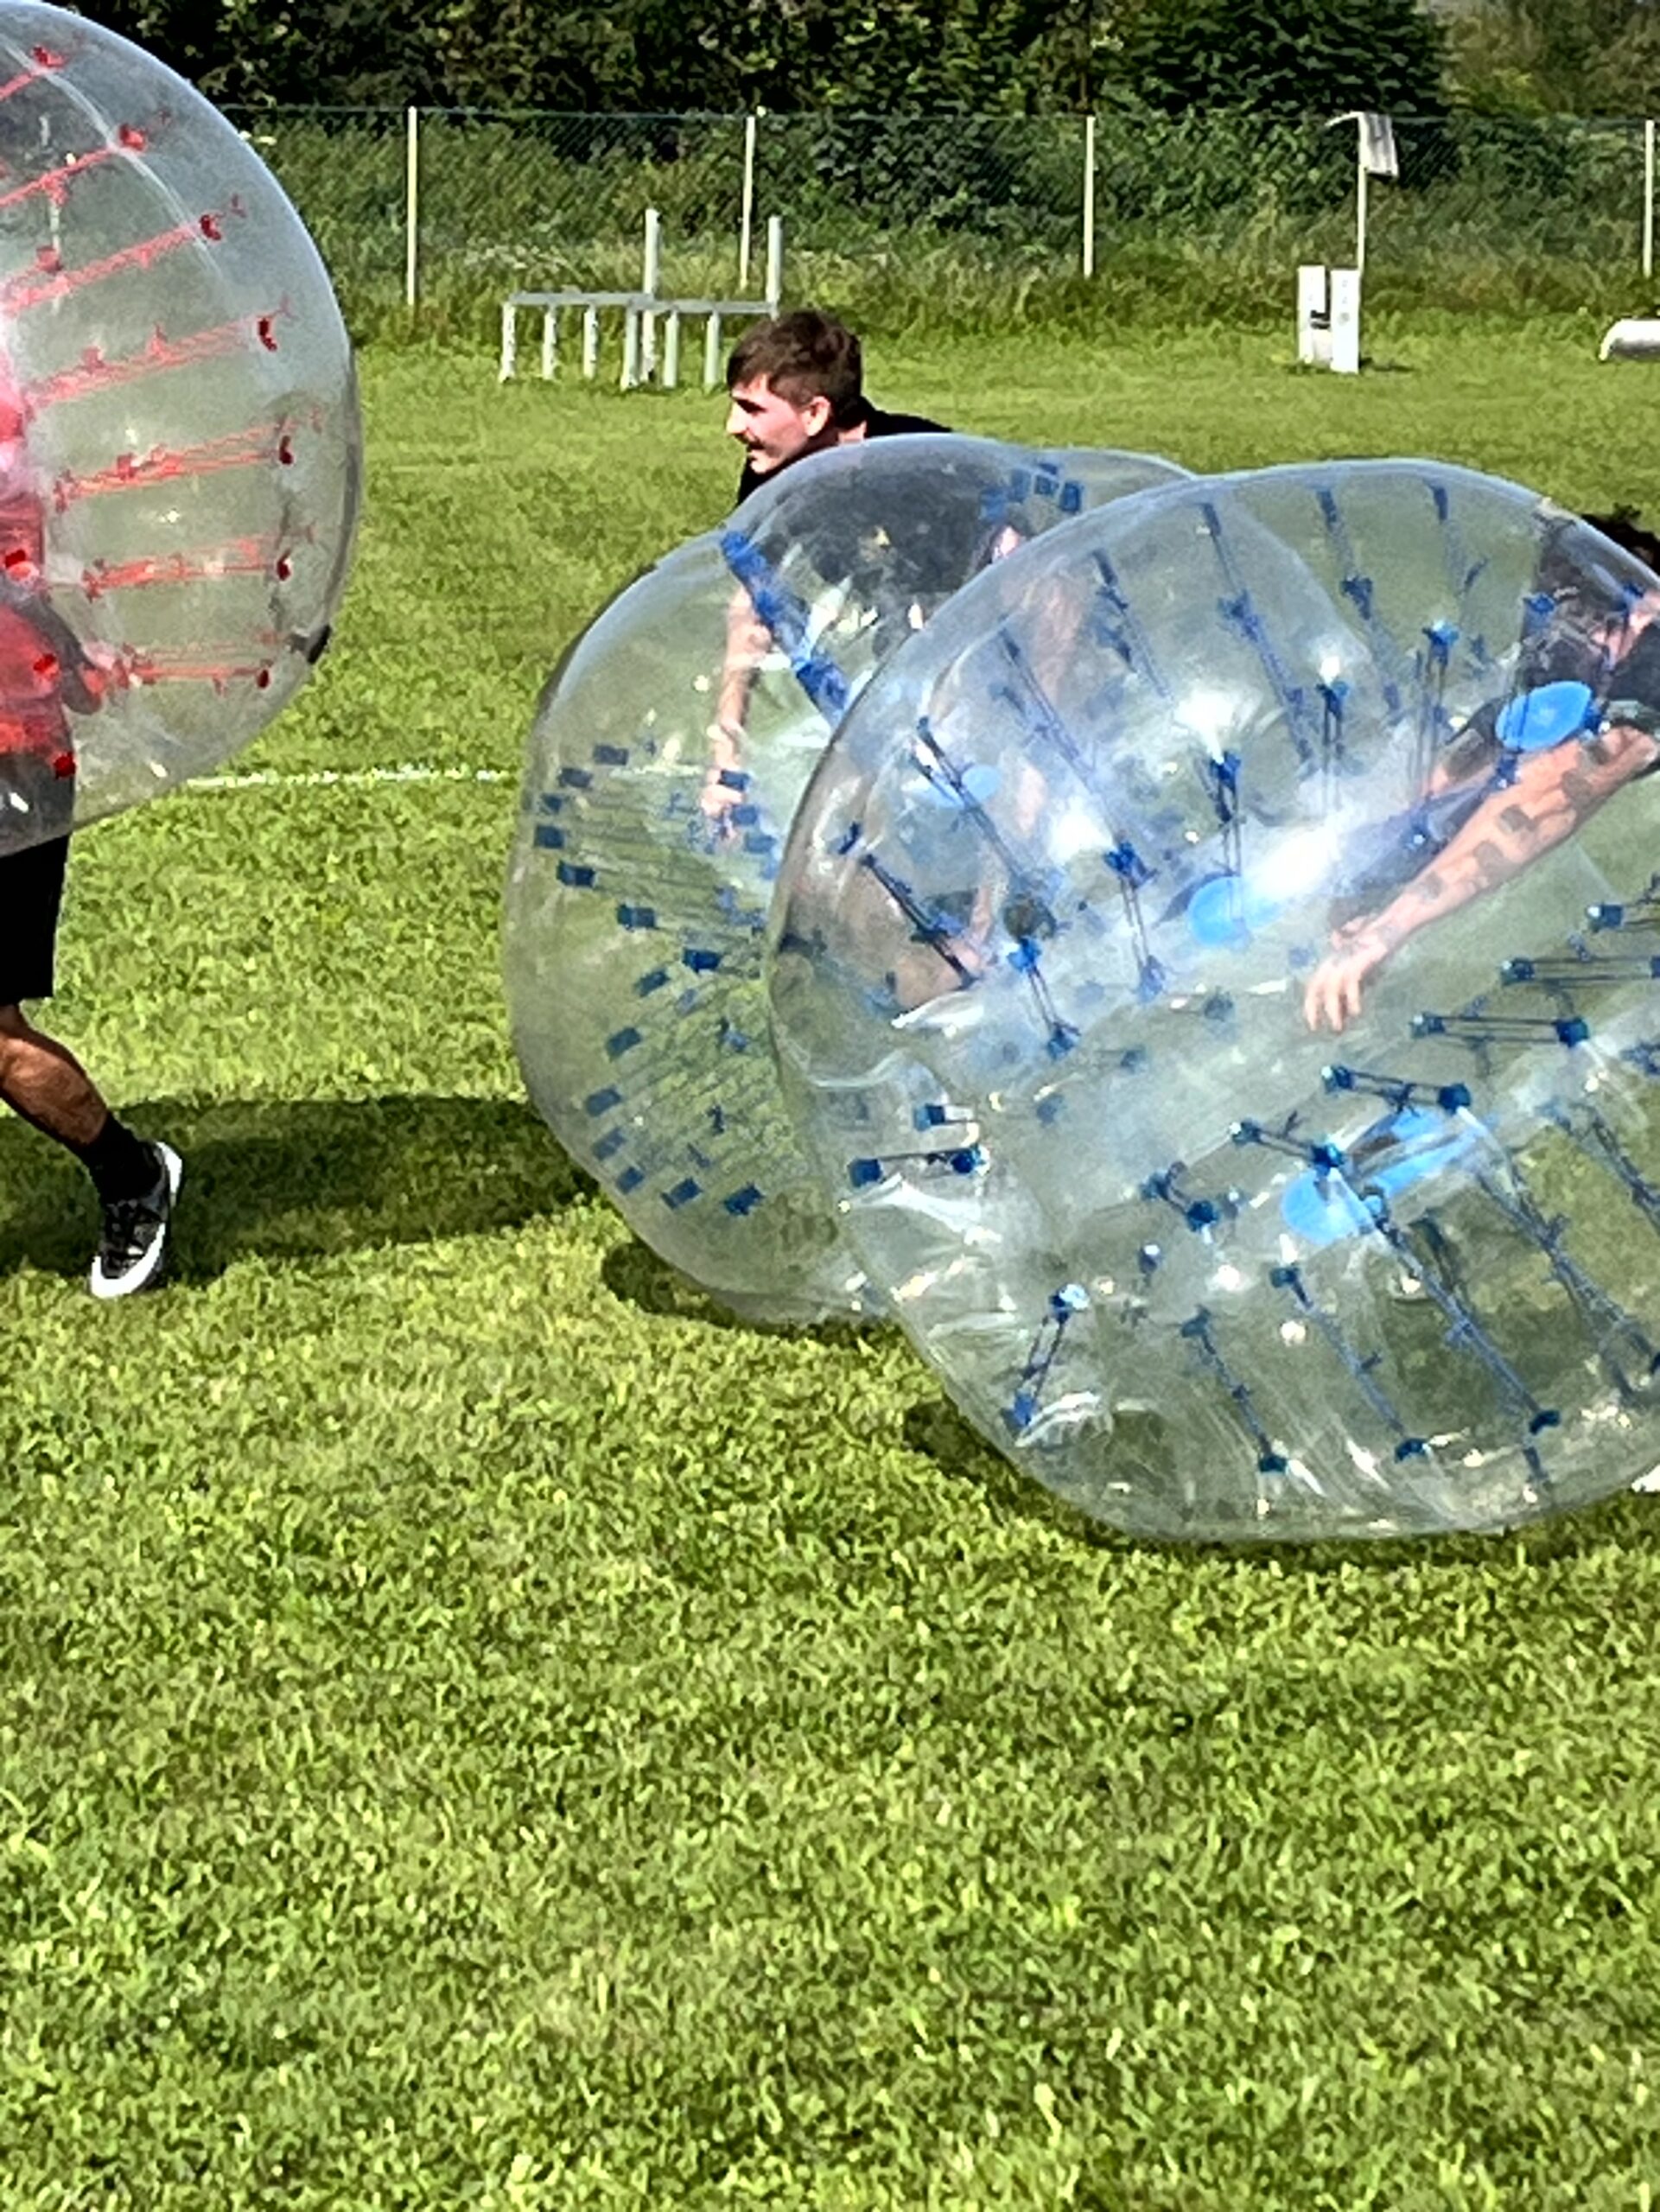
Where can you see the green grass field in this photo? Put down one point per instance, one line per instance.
(478, 1729)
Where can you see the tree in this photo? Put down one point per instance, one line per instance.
(1289, 57)
(1574, 57)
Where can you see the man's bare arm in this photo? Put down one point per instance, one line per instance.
(747, 640)
(1552, 795)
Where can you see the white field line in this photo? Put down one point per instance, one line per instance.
(323, 779)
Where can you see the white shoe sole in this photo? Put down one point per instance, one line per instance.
(149, 1268)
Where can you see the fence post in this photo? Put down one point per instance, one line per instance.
(1089, 195)
(1648, 197)
(650, 270)
(747, 204)
(774, 291)
(411, 205)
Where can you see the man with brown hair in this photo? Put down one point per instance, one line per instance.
(796, 386)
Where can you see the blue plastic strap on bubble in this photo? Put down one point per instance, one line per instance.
(952, 1160)
(1587, 970)
(1462, 572)
(1596, 1308)
(1063, 1306)
(1059, 1036)
(1132, 875)
(1588, 1130)
(1200, 1215)
(1238, 607)
(1118, 629)
(1197, 1330)
(1393, 662)
(1481, 1029)
(1027, 695)
(1333, 698)
(934, 930)
(967, 786)
(1395, 1090)
(1537, 607)
(1464, 1332)
(1318, 1153)
(1341, 1197)
(787, 618)
(1406, 1446)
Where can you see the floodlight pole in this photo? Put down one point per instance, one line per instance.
(1361, 172)
(1087, 252)
(1360, 198)
(747, 203)
(412, 204)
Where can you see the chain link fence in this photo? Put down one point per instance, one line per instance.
(900, 216)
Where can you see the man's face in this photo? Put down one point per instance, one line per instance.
(772, 429)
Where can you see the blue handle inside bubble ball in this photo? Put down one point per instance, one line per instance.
(1229, 909)
(975, 786)
(1534, 721)
(1408, 1148)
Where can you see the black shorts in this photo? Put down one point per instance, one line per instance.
(31, 886)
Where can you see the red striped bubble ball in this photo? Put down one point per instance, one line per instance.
(179, 441)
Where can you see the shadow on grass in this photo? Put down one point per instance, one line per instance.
(633, 1273)
(935, 1428)
(296, 1179)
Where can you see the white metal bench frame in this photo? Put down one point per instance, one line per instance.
(642, 311)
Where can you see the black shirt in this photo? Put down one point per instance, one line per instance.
(878, 424)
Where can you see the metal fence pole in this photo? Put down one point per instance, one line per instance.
(1648, 198)
(1089, 196)
(650, 270)
(747, 204)
(774, 291)
(411, 205)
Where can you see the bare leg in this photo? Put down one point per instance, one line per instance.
(45, 1083)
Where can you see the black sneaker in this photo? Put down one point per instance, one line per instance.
(133, 1251)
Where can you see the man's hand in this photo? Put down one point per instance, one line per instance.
(1359, 949)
